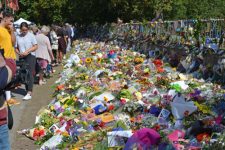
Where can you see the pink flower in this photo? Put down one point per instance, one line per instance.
(123, 101)
(111, 52)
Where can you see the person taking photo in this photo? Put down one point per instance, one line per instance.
(7, 42)
(25, 48)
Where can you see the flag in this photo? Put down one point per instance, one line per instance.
(13, 4)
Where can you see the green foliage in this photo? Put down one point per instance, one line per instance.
(47, 120)
(121, 124)
(102, 11)
(42, 11)
(124, 94)
(101, 146)
(44, 139)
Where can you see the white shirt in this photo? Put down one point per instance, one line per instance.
(23, 43)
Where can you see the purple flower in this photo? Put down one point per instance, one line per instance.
(197, 92)
(98, 121)
(155, 110)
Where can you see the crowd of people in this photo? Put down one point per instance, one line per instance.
(40, 48)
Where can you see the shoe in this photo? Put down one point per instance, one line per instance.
(27, 97)
(42, 82)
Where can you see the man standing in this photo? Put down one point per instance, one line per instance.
(69, 36)
(7, 71)
(7, 42)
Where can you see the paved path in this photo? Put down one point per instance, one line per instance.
(25, 113)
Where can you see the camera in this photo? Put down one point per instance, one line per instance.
(22, 76)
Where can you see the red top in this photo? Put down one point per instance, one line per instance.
(12, 65)
(3, 116)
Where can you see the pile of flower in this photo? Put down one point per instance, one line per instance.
(107, 97)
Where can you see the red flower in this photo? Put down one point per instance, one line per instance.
(60, 87)
(146, 110)
(159, 78)
(68, 125)
(158, 62)
(111, 107)
(160, 70)
(157, 127)
(102, 124)
(38, 133)
(202, 136)
(42, 133)
(111, 52)
(57, 131)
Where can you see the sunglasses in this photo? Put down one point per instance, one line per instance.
(24, 30)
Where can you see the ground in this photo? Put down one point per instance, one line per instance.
(24, 114)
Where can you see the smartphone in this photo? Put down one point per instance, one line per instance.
(2, 51)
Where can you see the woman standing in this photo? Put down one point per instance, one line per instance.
(44, 53)
(54, 40)
(62, 45)
(25, 48)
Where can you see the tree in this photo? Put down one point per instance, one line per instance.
(42, 11)
(102, 11)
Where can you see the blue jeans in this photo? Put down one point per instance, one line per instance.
(4, 137)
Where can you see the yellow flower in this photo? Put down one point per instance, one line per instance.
(88, 60)
(138, 95)
(99, 60)
(65, 134)
(89, 109)
(51, 107)
(138, 60)
(96, 88)
(146, 70)
(75, 98)
(85, 123)
(91, 48)
(106, 99)
(65, 105)
(86, 77)
(203, 108)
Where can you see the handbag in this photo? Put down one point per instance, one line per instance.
(10, 118)
(9, 111)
